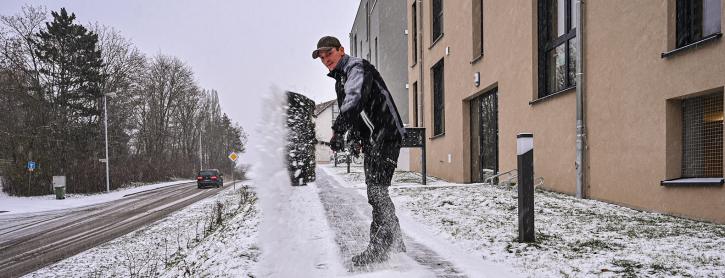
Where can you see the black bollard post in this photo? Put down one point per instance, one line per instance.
(525, 157)
(349, 153)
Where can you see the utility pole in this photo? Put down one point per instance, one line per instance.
(105, 127)
(200, 164)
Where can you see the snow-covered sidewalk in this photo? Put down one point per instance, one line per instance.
(427, 255)
(17, 205)
(574, 237)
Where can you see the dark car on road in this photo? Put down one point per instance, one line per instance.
(210, 177)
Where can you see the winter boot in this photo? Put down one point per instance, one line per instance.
(398, 245)
(369, 256)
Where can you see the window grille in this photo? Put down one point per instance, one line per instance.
(439, 125)
(702, 136)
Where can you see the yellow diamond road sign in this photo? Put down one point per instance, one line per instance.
(233, 156)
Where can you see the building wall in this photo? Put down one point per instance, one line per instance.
(388, 25)
(628, 88)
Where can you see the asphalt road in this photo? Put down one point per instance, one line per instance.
(32, 241)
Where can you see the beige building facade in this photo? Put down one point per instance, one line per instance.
(653, 72)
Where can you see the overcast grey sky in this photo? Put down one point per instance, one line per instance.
(241, 48)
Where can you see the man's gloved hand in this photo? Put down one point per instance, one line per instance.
(337, 143)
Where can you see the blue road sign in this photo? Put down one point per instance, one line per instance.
(31, 165)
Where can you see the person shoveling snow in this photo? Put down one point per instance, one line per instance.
(367, 110)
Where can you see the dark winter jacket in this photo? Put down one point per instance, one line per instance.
(366, 106)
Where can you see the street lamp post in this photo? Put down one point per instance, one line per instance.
(105, 127)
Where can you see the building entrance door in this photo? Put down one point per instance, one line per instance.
(484, 136)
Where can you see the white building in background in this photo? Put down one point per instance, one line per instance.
(325, 114)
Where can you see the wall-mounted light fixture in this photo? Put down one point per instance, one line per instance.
(477, 78)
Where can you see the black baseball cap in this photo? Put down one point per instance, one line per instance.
(325, 44)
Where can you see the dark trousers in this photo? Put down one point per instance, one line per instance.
(380, 163)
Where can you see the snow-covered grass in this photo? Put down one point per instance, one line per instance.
(15, 205)
(574, 237)
(190, 242)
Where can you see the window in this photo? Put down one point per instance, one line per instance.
(439, 126)
(367, 23)
(557, 48)
(702, 136)
(437, 20)
(416, 123)
(697, 20)
(414, 33)
(376, 52)
(335, 112)
(477, 11)
(354, 46)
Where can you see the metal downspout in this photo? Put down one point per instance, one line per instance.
(421, 84)
(580, 126)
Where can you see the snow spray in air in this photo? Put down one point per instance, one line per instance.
(294, 237)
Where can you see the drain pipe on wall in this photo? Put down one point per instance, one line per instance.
(580, 126)
(421, 85)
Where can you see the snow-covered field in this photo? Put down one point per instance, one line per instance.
(189, 242)
(15, 205)
(574, 237)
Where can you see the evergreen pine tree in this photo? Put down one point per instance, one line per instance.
(71, 65)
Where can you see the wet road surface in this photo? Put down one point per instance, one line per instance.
(31, 241)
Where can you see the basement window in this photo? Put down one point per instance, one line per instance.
(702, 141)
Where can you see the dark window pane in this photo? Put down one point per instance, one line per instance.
(697, 19)
(438, 99)
(414, 32)
(477, 13)
(556, 69)
(437, 18)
